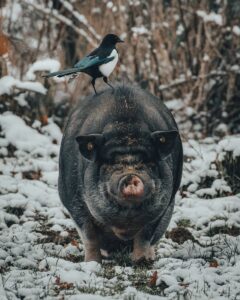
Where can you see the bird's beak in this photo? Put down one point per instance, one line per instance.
(120, 41)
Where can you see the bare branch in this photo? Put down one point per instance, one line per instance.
(81, 18)
(54, 13)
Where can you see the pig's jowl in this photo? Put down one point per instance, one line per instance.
(120, 168)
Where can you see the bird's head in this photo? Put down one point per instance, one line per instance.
(111, 40)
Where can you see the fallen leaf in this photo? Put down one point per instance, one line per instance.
(63, 285)
(153, 279)
(213, 263)
(74, 243)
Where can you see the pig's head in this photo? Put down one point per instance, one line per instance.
(125, 176)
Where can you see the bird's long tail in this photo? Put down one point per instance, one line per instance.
(63, 73)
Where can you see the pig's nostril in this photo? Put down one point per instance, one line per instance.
(135, 182)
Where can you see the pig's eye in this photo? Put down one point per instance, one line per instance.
(164, 142)
(162, 139)
(90, 146)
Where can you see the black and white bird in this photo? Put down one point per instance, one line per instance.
(99, 63)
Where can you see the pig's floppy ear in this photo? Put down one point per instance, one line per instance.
(164, 141)
(89, 145)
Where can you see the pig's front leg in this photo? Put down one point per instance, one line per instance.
(142, 250)
(90, 241)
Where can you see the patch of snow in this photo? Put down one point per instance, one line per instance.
(206, 57)
(175, 104)
(139, 30)
(8, 83)
(236, 30)
(90, 267)
(211, 17)
(20, 135)
(87, 297)
(48, 64)
(13, 12)
(229, 144)
(180, 29)
(53, 131)
(109, 4)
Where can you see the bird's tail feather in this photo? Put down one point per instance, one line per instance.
(63, 73)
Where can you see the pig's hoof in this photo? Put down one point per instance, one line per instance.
(97, 259)
(142, 262)
(93, 256)
(105, 254)
(143, 256)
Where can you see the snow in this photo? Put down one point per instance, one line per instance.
(109, 4)
(230, 143)
(90, 267)
(2, 291)
(87, 297)
(8, 83)
(211, 17)
(139, 30)
(175, 104)
(236, 30)
(41, 255)
(48, 64)
(180, 29)
(20, 135)
(14, 12)
(53, 131)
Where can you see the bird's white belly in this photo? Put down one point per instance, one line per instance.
(106, 69)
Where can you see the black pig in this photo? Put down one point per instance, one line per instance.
(120, 168)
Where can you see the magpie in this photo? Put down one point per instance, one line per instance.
(99, 63)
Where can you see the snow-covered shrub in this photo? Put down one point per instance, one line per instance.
(211, 168)
(229, 161)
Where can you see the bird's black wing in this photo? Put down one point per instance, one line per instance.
(83, 64)
(92, 60)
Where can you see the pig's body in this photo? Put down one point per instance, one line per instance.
(115, 182)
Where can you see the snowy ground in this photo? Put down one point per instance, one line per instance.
(41, 256)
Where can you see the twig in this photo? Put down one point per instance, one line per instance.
(188, 52)
(210, 40)
(181, 81)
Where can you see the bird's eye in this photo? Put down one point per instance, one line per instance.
(90, 146)
(162, 139)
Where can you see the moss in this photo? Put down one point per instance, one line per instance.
(179, 235)
(233, 231)
(184, 223)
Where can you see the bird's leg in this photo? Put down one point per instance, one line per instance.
(93, 84)
(106, 81)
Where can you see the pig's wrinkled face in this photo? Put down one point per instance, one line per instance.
(126, 177)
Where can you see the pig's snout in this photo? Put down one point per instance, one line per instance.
(131, 186)
(130, 189)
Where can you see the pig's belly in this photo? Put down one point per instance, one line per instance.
(111, 243)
